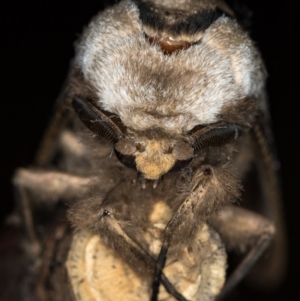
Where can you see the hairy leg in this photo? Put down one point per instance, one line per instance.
(114, 220)
(210, 187)
(270, 272)
(36, 187)
(243, 230)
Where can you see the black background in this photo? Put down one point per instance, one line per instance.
(36, 48)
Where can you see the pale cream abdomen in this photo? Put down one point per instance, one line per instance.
(97, 274)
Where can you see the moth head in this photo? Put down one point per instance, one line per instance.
(149, 153)
(153, 153)
(154, 157)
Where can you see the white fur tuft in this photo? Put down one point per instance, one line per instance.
(149, 89)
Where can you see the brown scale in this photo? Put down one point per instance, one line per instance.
(168, 45)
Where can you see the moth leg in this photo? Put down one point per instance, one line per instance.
(241, 229)
(209, 187)
(116, 238)
(24, 217)
(60, 119)
(53, 185)
(37, 186)
(270, 272)
(177, 219)
(71, 145)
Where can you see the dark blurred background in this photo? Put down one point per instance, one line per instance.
(36, 47)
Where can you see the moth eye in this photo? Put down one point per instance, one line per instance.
(140, 147)
(127, 160)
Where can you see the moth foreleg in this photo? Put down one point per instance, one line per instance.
(209, 188)
(129, 246)
(243, 230)
(113, 233)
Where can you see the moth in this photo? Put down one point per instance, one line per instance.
(160, 158)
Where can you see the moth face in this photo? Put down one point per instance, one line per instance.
(154, 157)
